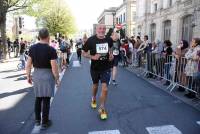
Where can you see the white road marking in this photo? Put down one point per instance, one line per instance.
(105, 132)
(198, 122)
(36, 130)
(168, 129)
(76, 64)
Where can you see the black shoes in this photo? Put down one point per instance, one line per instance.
(46, 125)
(190, 95)
(114, 82)
(167, 83)
(181, 89)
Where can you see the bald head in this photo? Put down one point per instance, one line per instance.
(100, 31)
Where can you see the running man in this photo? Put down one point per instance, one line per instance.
(98, 49)
(115, 50)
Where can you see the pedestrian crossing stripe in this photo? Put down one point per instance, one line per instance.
(198, 122)
(36, 130)
(167, 129)
(105, 132)
(76, 64)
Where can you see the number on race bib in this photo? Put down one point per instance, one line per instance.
(102, 48)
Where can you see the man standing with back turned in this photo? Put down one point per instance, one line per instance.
(97, 48)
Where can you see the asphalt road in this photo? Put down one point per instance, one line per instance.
(134, 107)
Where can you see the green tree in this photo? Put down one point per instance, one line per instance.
(10, 6)
(55, 15)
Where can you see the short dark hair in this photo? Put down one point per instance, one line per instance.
(185, 44)
(146, 36)
(197, 41)
(43, 33)
(168, 43)
(138, 37)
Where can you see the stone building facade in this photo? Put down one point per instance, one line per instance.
(168, 19)
(107, 17)
(125, 15)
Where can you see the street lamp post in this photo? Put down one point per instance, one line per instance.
(113, 13)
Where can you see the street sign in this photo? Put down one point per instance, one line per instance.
(118, 26)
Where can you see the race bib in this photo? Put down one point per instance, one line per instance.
(115, 52)
(79, 46)
(102, 48)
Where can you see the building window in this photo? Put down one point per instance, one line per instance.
(153, 32)
(155, 7)
(134, 15)
(124, 17)
(170, 3)
(121, 19)
(117, 21)
(167, 30)
(187, 30)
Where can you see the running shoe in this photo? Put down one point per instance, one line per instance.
(103, 114)
(114, 82)
(94, 104)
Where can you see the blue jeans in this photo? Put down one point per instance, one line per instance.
(23, 63)
(167, 68)
(197, 76)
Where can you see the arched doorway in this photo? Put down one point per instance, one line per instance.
(153, 32)
(187, 30)
(167, 30)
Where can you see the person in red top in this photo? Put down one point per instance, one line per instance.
(124, 51)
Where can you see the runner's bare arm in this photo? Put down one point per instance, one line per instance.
(92, 57)
(28, 70)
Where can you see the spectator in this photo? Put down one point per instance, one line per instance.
(9, 46)
(179, 54)
(192, 65)
(168, 59)
(130, 52)
(16, 47)
(158, 48)
(137, 55)
(63, 49)
(21, 52)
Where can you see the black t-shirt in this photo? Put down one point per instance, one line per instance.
(102, 47)
(16, 44)
(116, 47)
(168, 52)
(41, 55)
(22, 47)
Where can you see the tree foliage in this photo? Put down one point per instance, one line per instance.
(55, 15)
(9, 6)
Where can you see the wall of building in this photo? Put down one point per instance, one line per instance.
(176, 14)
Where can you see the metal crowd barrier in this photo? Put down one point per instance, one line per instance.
(179, 72)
